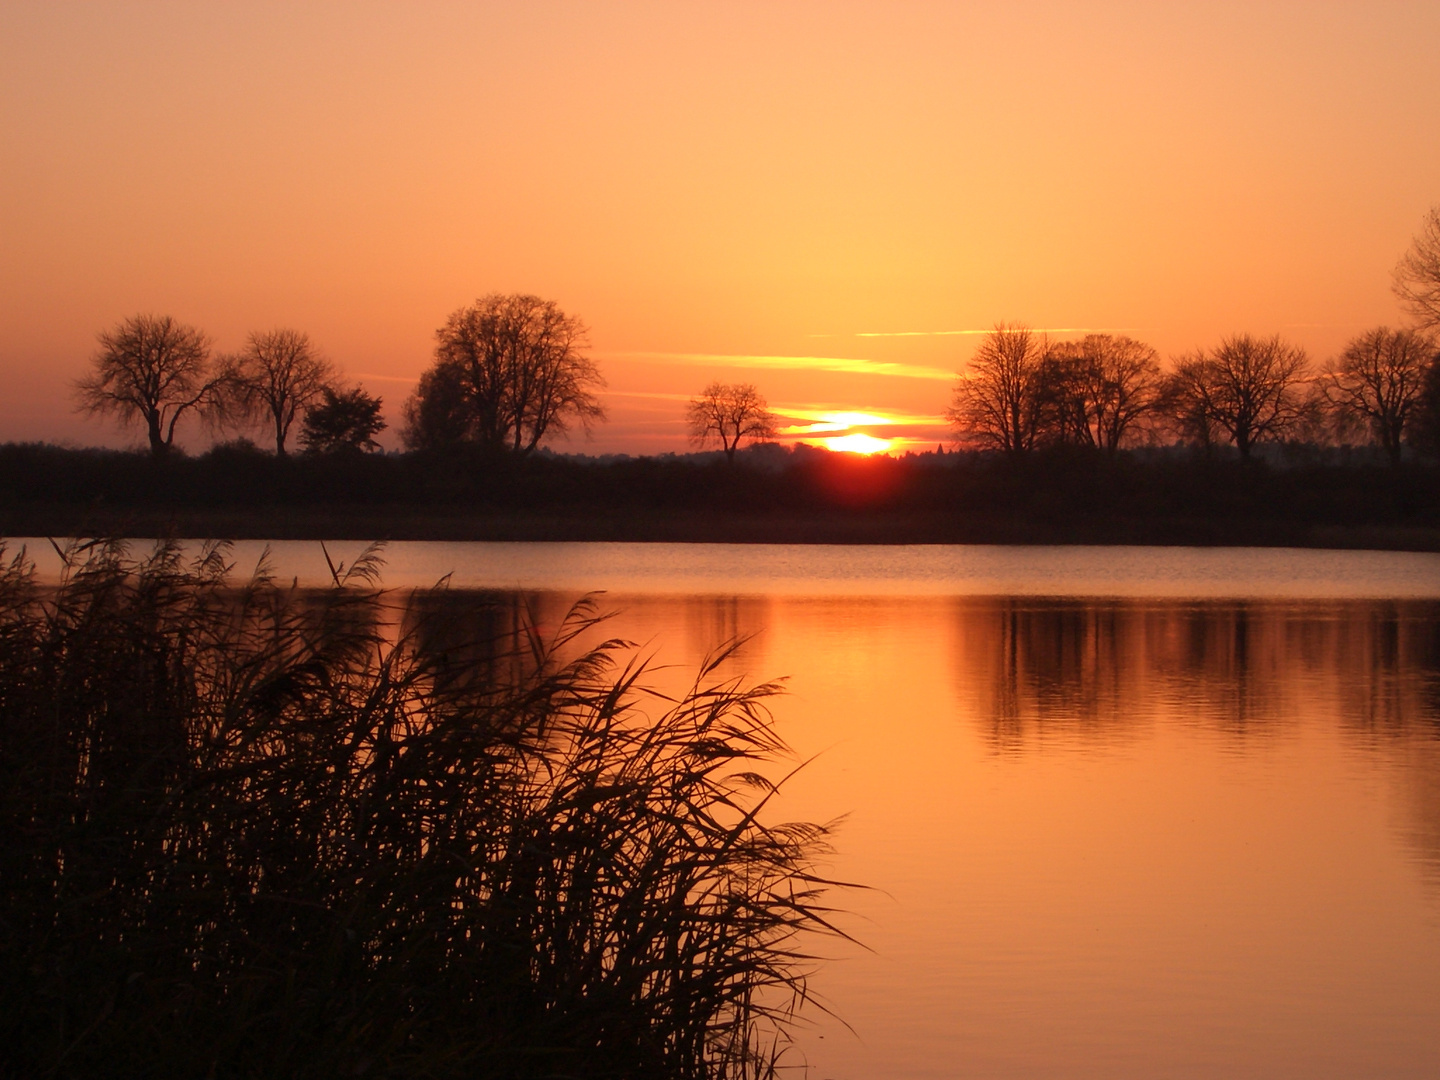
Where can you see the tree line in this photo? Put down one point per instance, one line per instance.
(510, 372)
(154, 370)
(1023, 392)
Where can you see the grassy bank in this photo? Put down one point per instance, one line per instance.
(253, 832)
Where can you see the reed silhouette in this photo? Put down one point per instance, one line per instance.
(255, 831)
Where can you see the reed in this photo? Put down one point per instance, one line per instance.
(253, 831)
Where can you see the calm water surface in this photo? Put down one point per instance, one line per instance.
(1126, 812)
(773, 570)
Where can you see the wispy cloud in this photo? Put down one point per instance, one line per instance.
(646, 395)
(832, 418)
(840, 364)
(986, 330)
(815, 416)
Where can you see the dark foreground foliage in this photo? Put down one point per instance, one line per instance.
(252, 832)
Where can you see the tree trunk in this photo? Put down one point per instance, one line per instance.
(158, 445)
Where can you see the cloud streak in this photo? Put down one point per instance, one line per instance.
(838, 364)
(833, 417)
(986, 330)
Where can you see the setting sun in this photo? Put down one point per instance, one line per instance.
(858, 443)
(835, 421)
(850, 431)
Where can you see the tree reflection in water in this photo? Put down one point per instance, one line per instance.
(1096, 671)
(1093, 673)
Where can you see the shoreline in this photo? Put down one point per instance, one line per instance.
(816, 528)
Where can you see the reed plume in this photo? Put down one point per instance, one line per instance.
(250, 830)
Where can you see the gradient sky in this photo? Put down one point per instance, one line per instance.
(825, 199)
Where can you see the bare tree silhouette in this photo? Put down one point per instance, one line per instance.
(998, 403)
(153, 370)
(1377, 382)
(1417, 275)
(516, 371)
(729, 413)
(1100, 389)
(1248, 388)
(275, 378)
(1425, 419)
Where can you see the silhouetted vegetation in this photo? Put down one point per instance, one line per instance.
(1425, 421)
(1022, 393)
(1417, 275)
(999, 404)
(274, 380)
(1089, 441)
(1101, 390)
(342, 420)
(1245, 391)
(729, 414)
(509, 371)
(1378, 383)
(254, 832)
(1289, 494)
(152, 370)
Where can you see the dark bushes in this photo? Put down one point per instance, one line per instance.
(1061, 494)
(255, 832)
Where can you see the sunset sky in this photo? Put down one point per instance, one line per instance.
(830, 200)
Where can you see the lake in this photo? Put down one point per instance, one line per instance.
(1123, 812)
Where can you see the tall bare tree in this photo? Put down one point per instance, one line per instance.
(1417, 275)
(729, 413)
(276, 378)
(1248, 388)
(1101, 388)
(152, 370)
(1377, 382)
(518, 368)
(998, 403)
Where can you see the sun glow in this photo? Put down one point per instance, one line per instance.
(858, 443)
(833, 421)
(845, 430)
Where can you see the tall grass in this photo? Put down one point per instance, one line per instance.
(251, 831)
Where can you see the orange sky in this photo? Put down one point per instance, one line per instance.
(714, 188)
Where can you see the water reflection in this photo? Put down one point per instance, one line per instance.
(712, 621)
(1038, 672)
(1109, 838)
